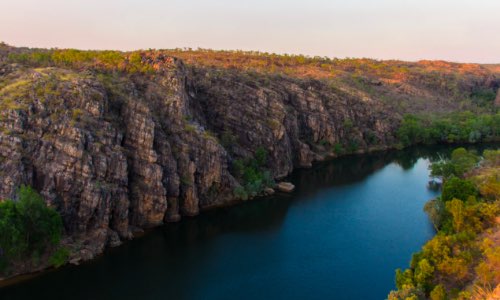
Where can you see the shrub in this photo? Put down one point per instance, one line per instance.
(438, 293)
(241, 193)
(338, 149)
(253, 174)
(458, 188)
(458, 262)
(353, 146)
(27, 227)
(60, 257)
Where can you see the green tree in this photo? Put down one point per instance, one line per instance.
(458, 188)
(443, 169)
(27, 227)
(463, 160)
(404, 278)
(410, 130)
(423, 272)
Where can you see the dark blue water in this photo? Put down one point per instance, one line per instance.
(342, 233)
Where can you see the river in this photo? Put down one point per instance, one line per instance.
(350, 223)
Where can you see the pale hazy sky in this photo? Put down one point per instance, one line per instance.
(457, 30)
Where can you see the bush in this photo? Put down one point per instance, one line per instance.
(438, 293)
(253, 174)
(338, 149)
(454, 127)
(458, 261)
(60, 257)
(27, 227)
(240, 193)
(458, 188)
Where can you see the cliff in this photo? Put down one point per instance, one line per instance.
(120, 142)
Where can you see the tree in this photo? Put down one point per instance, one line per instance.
(458, 188)
(456, 209)
(423, 272)
(404, 278)
(463, 160)
(27, 227)
(438, 293)
(410, 130)
(443, 169)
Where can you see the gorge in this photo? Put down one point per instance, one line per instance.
(351, 222)
(119, 142)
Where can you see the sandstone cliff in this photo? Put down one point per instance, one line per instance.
(116, 152)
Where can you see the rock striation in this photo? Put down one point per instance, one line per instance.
(118, 152)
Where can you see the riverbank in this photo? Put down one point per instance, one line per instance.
(95, 248)
(119, 142)
(340, 217)
(463, 260)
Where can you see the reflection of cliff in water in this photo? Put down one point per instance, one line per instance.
(257, 215)
(351, 169)
(269, 212)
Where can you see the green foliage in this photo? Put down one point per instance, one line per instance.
(461, 162)
(348, 125)
(353, 146)
(458, 188)
(444, 169)
(410, 131)
(60, 257)
(338, 149)
(457, 256)
(240, 193)
(253, 174)
(108, 60)
(261, 156)
(371, 138)
(27, 227)
(483, 96)
(423, 273)
(404, 278)
(452, 128)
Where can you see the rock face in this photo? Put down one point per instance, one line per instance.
(116, 153)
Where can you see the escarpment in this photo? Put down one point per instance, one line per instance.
(116, 152)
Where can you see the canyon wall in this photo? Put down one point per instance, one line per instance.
(116, 153)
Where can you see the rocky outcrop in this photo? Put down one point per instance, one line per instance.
(118, 152)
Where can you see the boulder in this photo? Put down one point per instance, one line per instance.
(268, 191)
(286, 187)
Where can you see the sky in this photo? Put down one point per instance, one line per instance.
(453, 30)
